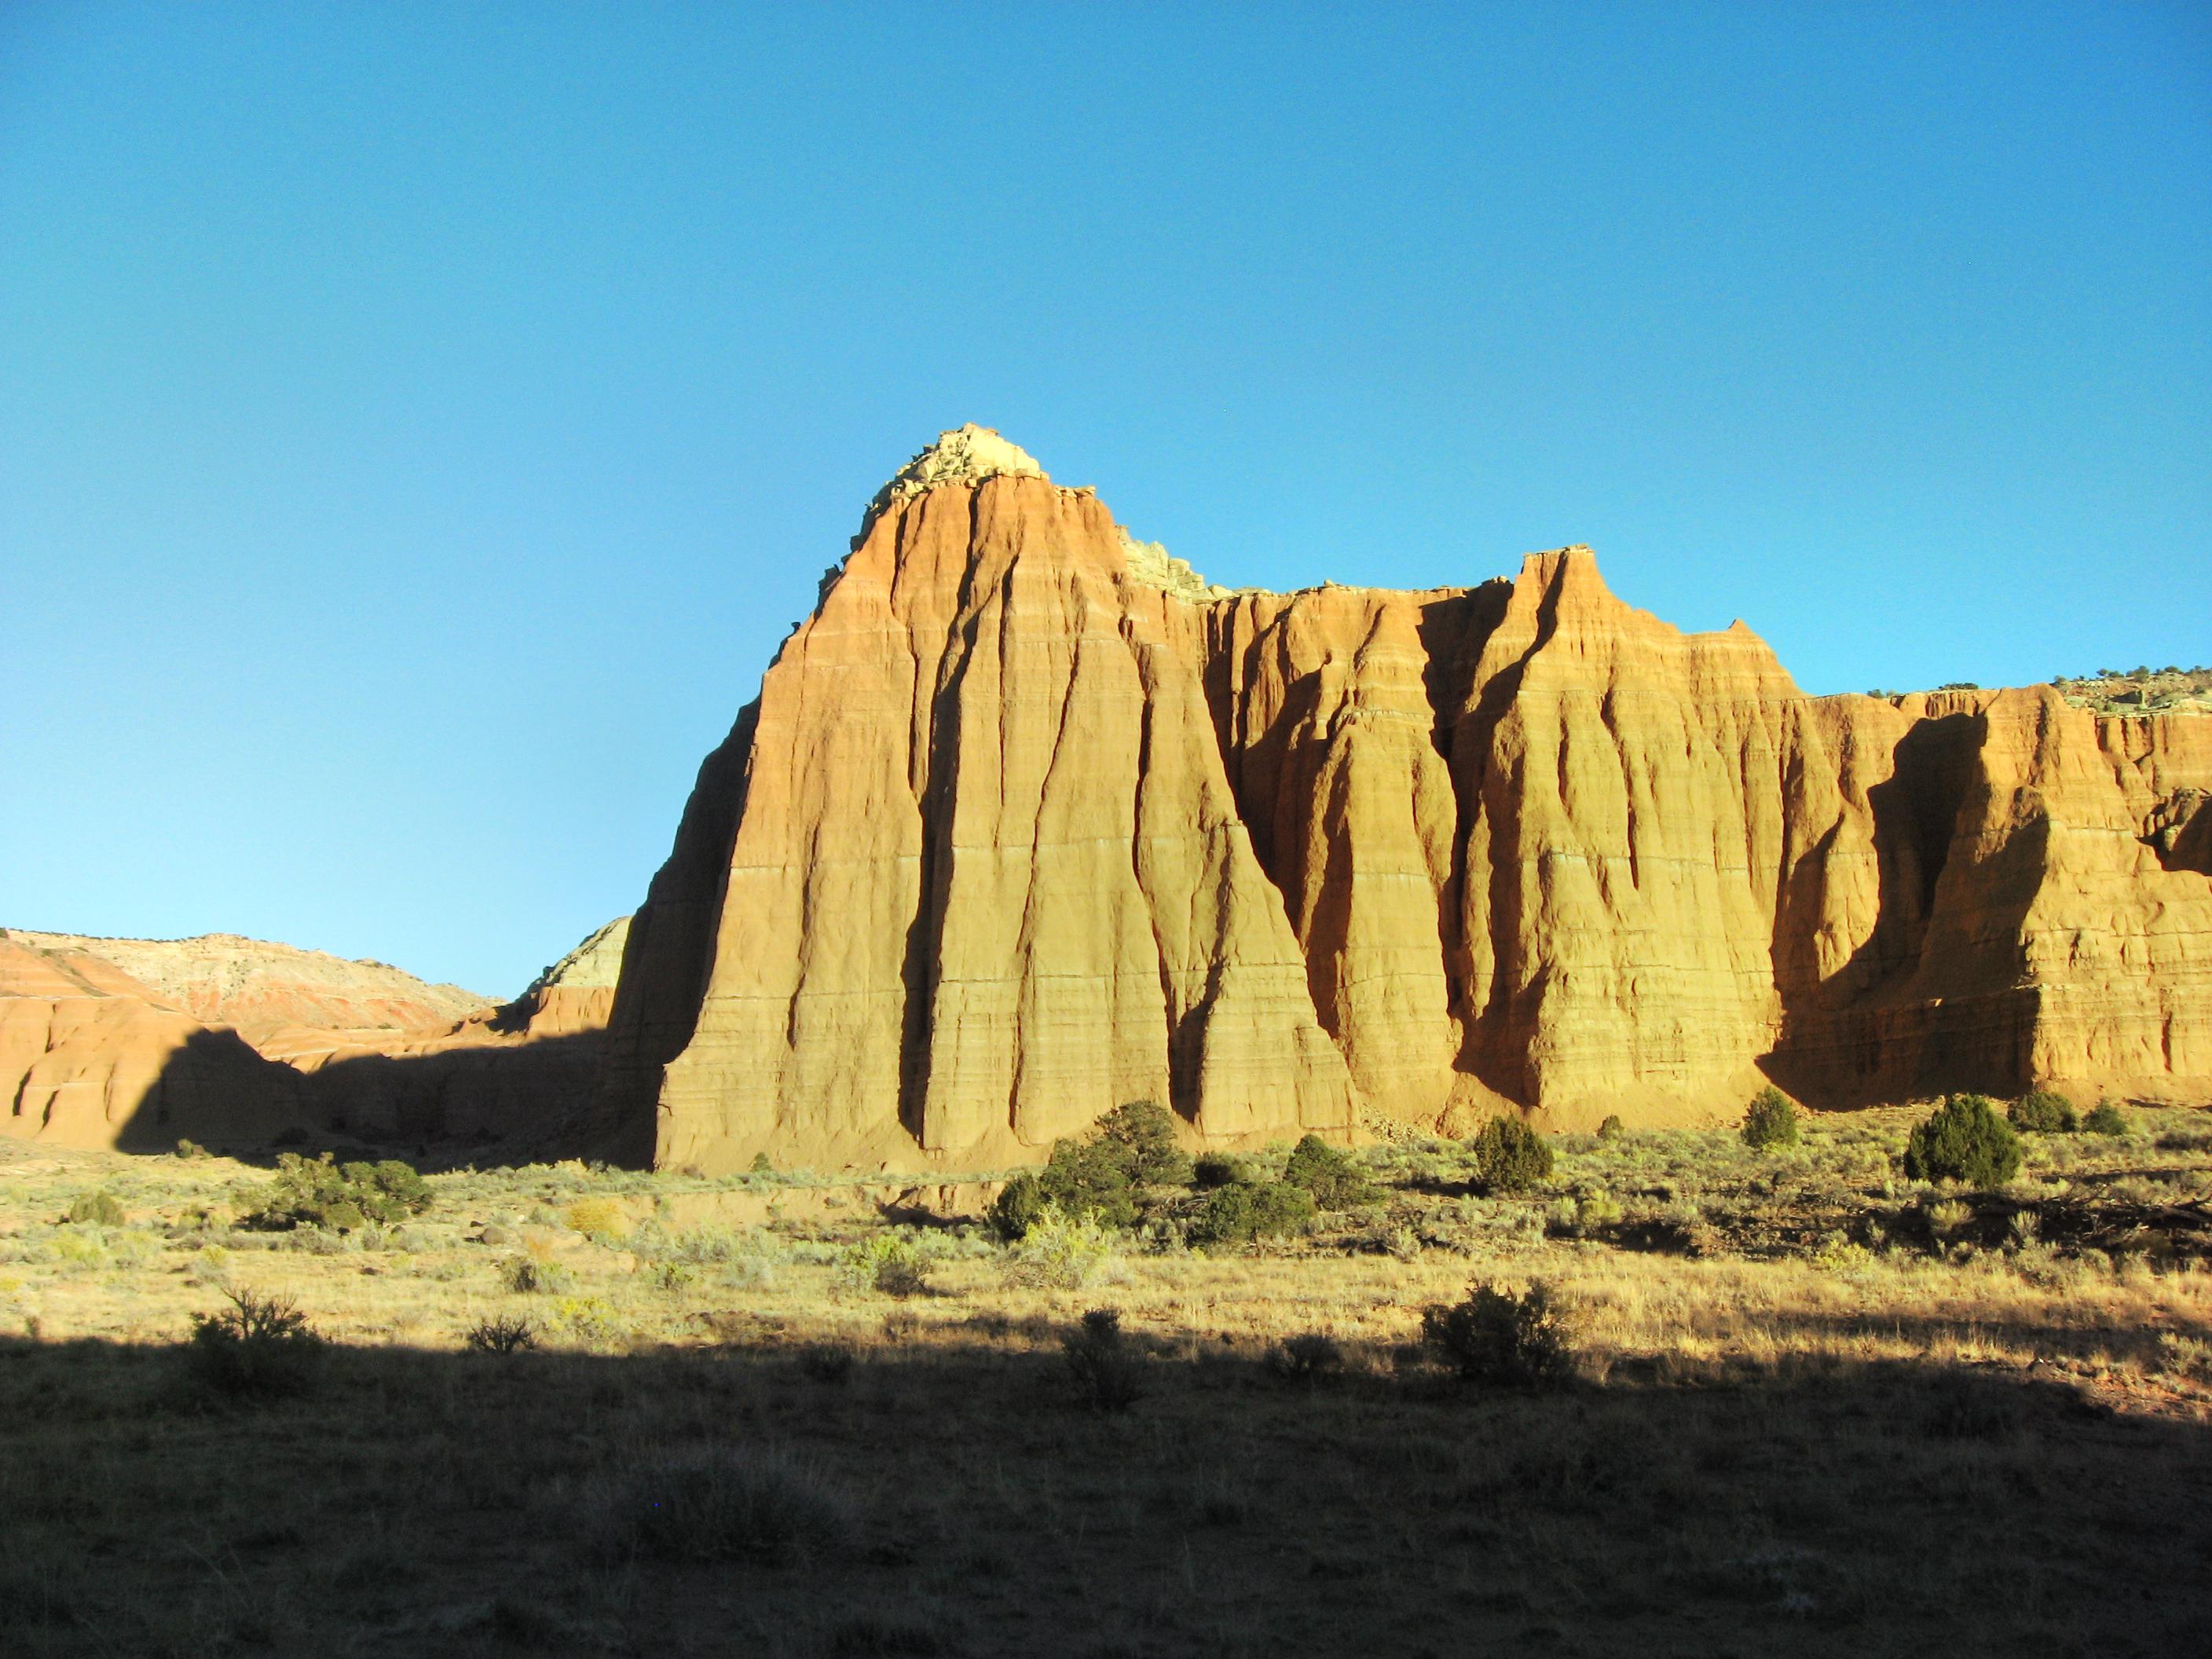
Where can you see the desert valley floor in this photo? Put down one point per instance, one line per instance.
(1808, 1404)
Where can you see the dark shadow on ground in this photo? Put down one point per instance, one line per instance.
(949, 1493)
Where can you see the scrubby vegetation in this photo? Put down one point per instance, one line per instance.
(1332, 1180)
(2138, 691)
(338, 1197)
(1510, 1157)
(1623, 1355)
(1496, 1335)
(1964, 1140)
(1770, 1120)
(1107, 1375)
(2103, 1119)
(2042, 1111)
(1245, 1210)
(259, 1347)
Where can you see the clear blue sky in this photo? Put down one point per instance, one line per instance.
(419, 425)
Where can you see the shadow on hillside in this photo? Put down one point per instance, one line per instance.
(948, 1493)
(491, 1105)
(1878, 1028)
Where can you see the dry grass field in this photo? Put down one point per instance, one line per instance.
(1808, 1405)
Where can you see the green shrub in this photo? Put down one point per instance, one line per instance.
(342, 1198)
(2104, 1119)
(1497, 1336)
(2045, 1111)
(1221, 1170)
(1017, 1207)
(97, 1209)
(1612, 1129)
(1089, 1178)
(1770, 1120)
(259, 1347)
(1130, 1148)
(527, 1275)
(1141, 1134)
(1107, 1377)
(1510, 1157)
(725, 1505)
(1251, 1210)
(1335, 1181)
(1964, 1140)
(890, 1262)
(1061, 1252)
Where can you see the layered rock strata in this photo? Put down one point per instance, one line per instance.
(1029, 820)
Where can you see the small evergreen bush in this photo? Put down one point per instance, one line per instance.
(259, 1347)
(1334, 1179)
(1964, 1140)
(2104, 1119)
(1510, 1157)
(1770, 1120)
(1249, 1210)
(1107, 1377)
(1497, 1336)
(1221, 1170)
(1141, 1136)
(98, 1210)
(1088, 1178)
(1103, 1175)
(1017, 1207)
(1612, 1129)
(827, 1363)
(2044, 1111)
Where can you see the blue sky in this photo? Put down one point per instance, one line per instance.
(419, 425)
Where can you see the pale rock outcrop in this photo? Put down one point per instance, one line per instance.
(278, 997)
(1030, 819)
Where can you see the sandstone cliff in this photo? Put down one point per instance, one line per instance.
(91, 1057)
(1028, 819)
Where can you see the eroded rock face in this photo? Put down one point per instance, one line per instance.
(141, 1042)
(92, 1058)
(1029, 820)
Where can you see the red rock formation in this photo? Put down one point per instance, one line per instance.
(140, 1043)
(89, 1058)
(1029, 820)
